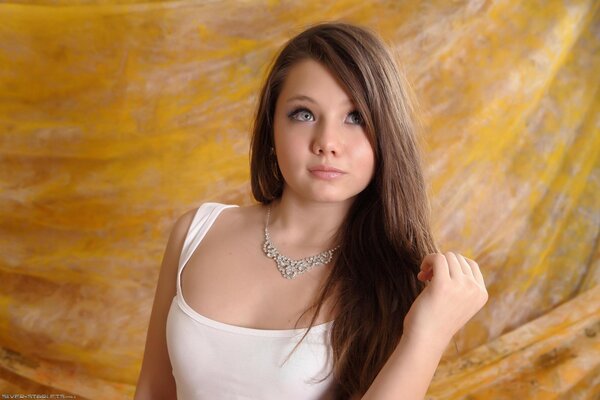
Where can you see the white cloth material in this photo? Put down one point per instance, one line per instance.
(213, 360)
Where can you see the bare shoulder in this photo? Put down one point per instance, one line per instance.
(183, 222)
(247, 211)
(239, 219)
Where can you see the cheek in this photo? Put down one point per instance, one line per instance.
(369, 164)
(287, 149)
(364, 155)
(288, 143)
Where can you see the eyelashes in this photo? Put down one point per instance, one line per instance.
(292, 115)
(298, 111)
(358, 116)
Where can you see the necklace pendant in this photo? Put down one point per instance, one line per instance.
(288, 267)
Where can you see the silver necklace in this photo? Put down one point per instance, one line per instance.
(288, 267)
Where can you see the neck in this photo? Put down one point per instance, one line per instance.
(300, 228)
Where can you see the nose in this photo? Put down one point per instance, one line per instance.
(326, 140)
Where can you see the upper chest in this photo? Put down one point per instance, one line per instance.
(228, 278)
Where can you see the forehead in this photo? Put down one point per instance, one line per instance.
(311, 78)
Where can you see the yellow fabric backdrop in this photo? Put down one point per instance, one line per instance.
(116, 117)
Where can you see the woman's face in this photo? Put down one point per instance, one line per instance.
(316, 126)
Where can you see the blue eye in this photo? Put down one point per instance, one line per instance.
(359, 117)
(299, 111)
(305, 115)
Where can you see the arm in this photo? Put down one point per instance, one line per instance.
(408, 372)
(454, 293)
(156, 379)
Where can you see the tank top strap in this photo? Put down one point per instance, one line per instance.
(205, 216)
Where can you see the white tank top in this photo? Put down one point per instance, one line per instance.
(214, 360)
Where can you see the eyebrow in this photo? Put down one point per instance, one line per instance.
(304, 97)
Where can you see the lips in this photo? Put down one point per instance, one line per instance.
(325, 168)
(326, 172)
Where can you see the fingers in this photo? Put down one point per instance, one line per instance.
(476, 271)
(437, 264)
(426, 272)
(466, 268)
(449, 265)
(454, 266)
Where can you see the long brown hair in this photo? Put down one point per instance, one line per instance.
(386, 233)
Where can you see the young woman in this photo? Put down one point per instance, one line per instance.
(331, 287)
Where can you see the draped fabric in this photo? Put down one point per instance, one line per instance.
(117, 117)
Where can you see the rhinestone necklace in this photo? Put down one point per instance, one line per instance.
(288, 267)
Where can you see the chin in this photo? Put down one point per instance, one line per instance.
(323, 194)
(330, 197)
